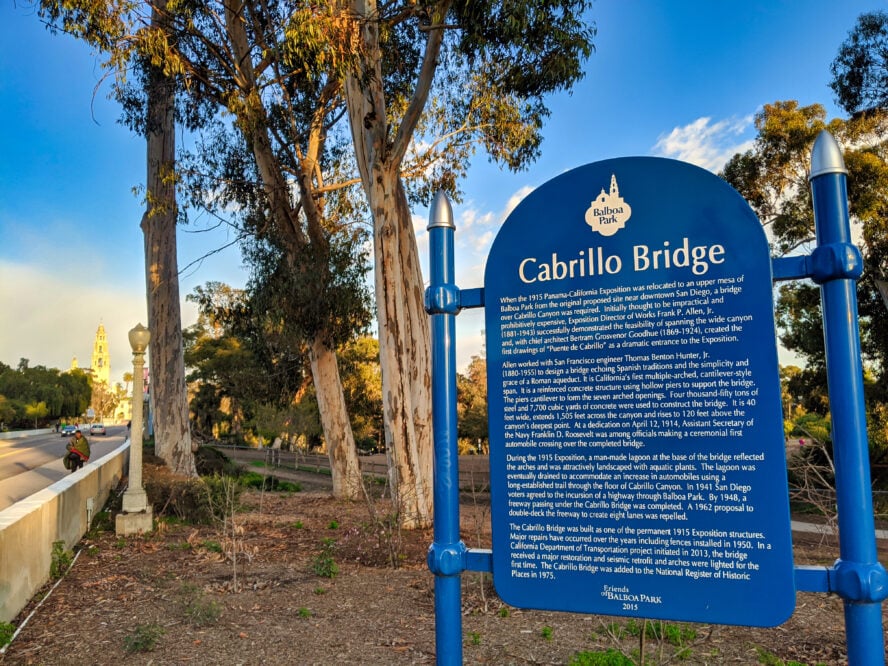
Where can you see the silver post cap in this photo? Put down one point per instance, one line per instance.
(441, 214)
(826, 156)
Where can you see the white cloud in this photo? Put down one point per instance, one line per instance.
(514, 200)
(706, 143)
(475, 232)
(50, 318)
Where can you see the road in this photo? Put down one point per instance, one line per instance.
(33, 462)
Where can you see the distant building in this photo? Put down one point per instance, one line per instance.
(101, 358)
(112, 403)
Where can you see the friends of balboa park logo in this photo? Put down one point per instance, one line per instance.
(608, 213)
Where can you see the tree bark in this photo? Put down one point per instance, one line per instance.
(405, 354)
(172, 434)
(338, 434)
(404, 345)
(344, 464)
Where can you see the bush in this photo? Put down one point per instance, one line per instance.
(323, 563)
(61, 560)
(7, 631)
(271, 483)
(212, 462)
(144, 638)
(202, 612)
(186, 498)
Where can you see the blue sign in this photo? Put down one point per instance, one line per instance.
(636, 433)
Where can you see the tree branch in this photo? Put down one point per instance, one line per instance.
(421, 93)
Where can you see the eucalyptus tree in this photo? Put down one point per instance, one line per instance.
(860, 69)
(425, 85)
(279, 73)
(772, 176)
(131, 38)
(260, 65)
(432, 82)
(156, 118)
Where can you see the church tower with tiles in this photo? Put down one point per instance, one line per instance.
(101, 358)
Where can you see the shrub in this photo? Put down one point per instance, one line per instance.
(103, 522)
(270, 483)
(212, 462)
(212, 546)
(323, 564)
(7, 631)
(144, 638)
(61, 560)
(202, 612)
(187, 498)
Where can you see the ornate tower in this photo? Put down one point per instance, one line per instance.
(101, 359)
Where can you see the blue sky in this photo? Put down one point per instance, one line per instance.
(680, 79)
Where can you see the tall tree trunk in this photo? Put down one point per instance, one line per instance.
(404, 350)
(344, 464)
(335, 423)
(404, 346)
(172, 434)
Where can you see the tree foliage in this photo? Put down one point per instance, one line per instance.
(772, 176)
(246, 371)
(104, 400)
(362, 383)
(231, 369)
(63, 395)
(36, 411)
(424, 85)
(860, 70)
(471, 404)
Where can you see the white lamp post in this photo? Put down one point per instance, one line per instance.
(137, 514)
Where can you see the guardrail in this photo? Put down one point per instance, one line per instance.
(60, 512)
(15, 434)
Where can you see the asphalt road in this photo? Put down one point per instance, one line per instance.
(33, 462)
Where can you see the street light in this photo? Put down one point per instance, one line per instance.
(137, 514)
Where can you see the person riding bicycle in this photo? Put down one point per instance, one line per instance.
(78, 451)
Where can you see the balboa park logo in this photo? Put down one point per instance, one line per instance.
(608, 213)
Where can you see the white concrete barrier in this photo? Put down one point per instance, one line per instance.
(61, 512)
(15, 434)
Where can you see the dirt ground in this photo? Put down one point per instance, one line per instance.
(261, 595)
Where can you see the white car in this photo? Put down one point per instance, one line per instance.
(97, 429)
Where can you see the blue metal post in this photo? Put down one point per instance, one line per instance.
(836, 265)
(447, 554)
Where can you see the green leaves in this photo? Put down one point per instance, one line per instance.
(773, 177)
(860, 70)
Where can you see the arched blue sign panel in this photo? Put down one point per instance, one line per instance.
(637, 447)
